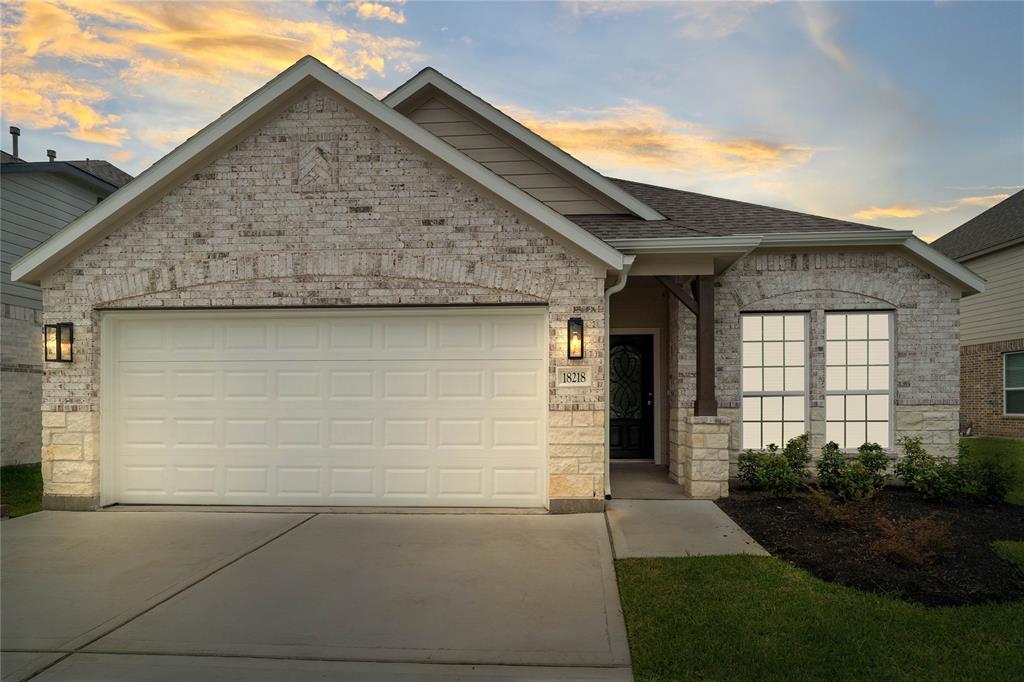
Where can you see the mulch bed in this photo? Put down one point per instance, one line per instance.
(969, 572)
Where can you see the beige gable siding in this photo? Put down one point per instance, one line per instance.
(998, 313)
(534, 175)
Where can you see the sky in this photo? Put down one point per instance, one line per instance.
(905, 115)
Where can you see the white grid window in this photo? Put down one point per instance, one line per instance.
(858, 368)
(774, 378)
(1013, 383)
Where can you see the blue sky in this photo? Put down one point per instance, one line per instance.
(906, 115)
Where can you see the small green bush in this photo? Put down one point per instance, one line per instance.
(856, 479)
(930, 477)
(989, 480)
(781, 473)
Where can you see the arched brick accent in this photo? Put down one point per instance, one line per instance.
(185, 275)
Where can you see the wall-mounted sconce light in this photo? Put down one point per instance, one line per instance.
(58, 340)
(575, 350)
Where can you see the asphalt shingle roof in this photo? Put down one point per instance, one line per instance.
(104, 170)
(699, 215)
(1001, 224)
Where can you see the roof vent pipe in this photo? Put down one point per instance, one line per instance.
(51, 155)
(15, 134)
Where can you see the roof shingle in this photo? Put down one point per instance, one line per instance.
(699, 215)
(1001, 224)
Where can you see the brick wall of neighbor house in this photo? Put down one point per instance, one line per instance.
(366, 220)
(981, 392)
(926, 398)
(20, 384)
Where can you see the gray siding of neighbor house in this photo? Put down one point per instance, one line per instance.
(514, 162)
(33, 207)
(997, 314)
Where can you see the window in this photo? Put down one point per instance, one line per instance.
(858, 364)
(774, 378)
(1013, 383)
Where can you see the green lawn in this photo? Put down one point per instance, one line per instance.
(1005, 449)
(739, 617)
(21, 487)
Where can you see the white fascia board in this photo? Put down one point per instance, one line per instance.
(78, 234)
(711, 245)
(969, 282)
(431, 77)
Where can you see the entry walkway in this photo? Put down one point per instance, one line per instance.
(644, 481)
(675, 528)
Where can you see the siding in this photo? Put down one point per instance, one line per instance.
(998, 313)
(514, 162)
(35, 206)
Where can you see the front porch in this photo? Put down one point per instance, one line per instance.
(666, 438)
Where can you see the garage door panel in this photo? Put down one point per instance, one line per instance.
(374, 336)
(332, 409)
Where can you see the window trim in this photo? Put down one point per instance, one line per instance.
(1006, 389)
(892, 375)
(805, 394)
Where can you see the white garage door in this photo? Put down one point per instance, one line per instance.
(413, 407)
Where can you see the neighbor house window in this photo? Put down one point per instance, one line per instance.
(1013, 382)
(774, 378)
(858, 378)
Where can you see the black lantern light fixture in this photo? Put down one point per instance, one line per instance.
(58, 342)
(575, 341)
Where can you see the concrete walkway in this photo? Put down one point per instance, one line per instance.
(185, 595)
(675, 528)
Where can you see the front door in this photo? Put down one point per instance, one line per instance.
(631, 396)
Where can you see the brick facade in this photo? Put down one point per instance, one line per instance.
(20, 384)
(981, 392)
(927, 359)
(319, 207)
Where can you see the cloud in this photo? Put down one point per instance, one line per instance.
(912, 211)
(64, 59)
(712, 20)
(40, 99)
(377, 10)
(636, 136)
(821, 23)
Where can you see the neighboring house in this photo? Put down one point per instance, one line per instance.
(325, 298)
(992, 323)
(37, 199)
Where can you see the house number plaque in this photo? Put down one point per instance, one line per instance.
(573, 376)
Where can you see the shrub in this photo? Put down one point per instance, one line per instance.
(825, 510)
(911, 542)
(987, 479)
(779, 472)
(930, 477)
(857, 479)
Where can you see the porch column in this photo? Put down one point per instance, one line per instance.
(705, 405)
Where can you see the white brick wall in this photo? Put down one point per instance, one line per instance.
(926, 391)
(374, 224)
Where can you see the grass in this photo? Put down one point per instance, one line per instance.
(21, 487)
(1006, 449)
(1011, 551)
(739, 617)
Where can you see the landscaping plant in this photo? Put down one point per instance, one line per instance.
(780, 472)
(853, 479)
(911, 542)
(939, 478)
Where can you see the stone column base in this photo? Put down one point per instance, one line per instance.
(700, 460)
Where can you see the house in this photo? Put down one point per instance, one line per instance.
(37, 199)
(992, 323)
(327, 298)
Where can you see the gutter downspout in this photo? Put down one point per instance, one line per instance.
(627, 263)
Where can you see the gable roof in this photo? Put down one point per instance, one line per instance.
(689, 214)
(429, 78)
(104, 170)
(166, 173)
(998, 227)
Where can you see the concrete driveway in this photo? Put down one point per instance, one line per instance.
(171, 595)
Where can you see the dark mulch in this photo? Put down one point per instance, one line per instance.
(969, 572)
